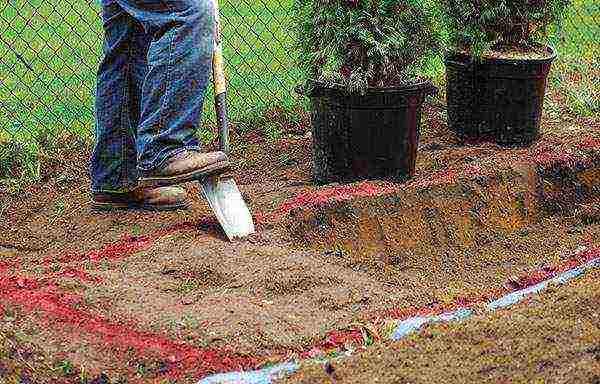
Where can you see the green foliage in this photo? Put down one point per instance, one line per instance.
(577, 85)
(18, 159)
(481, 25)
(365, 43)
(66, 368)
(29, 158)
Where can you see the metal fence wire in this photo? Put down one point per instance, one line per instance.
(49, 52)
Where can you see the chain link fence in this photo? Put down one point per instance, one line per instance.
(49, 51)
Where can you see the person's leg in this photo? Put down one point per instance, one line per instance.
(139, 55)
(113, 161)
(121, 75)
(179, 69)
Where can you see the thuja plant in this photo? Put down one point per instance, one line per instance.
(479, 26)
(366, 43)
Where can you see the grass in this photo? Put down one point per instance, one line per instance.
(576, 74)
(53, 49)
(50, 51)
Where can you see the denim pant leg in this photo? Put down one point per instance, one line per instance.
(179, 69)
(118, 98)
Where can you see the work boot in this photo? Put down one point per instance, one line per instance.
(152, 199)
(184, 167)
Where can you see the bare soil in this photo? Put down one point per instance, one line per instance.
(147, 296)
(551, 338)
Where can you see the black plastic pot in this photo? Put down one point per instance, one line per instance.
(371, 136)
(495, 99)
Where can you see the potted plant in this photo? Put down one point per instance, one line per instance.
(497, 67)
(363, 62)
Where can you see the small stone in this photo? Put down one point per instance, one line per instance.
(102, 379)
(329, 368)
(189, 299)
(163, 368)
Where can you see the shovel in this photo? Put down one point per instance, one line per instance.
(221, 191)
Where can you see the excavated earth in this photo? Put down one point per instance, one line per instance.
(162, 296)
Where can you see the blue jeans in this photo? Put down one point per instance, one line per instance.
(151, 86)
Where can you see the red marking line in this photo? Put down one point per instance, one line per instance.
(526, 281)
(549, 153)
(44, 295)
(127, 246)
(38, 294)
(65, 309)
(181, 358)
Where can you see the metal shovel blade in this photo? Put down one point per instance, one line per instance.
(227, 203)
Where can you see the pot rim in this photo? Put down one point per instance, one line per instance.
(423, 84)
(496, 60)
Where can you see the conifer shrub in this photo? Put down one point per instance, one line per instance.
(481, 26)
(359, 44)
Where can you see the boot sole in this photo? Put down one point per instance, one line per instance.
(167, 181)
(113, 207)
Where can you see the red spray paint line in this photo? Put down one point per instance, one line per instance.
(515, 284)
(556, 152)
(347, 192)
(341, 193)
(181, 358)
(590, 142)
(80, 275)
(550, 158)
(127, 246)
(324, 195)
(65, 309)
(334, 341)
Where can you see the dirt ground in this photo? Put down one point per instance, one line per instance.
(152, 296)
(552, 338)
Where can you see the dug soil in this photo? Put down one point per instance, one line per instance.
(146, 296)
(552, 338)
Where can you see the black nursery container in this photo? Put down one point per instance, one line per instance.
(497, 100)
(371, 136)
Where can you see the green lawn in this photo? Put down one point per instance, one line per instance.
(49, 51)
(576, 74)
